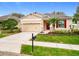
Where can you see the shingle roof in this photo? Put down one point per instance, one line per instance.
(41, 15)
(46, 16)
(60, 15)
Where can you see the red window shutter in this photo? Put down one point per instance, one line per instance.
(57, 24)
(65, 23)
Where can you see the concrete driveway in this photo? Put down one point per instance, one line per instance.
(18, 38)
(13, 43)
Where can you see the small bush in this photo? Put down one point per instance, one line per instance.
(75, 31)
(60, 32)
(17, 30)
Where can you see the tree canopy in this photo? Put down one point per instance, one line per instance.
(76, 15)
(9, 24)
(17, 15)
(77, 11)
(53, 20)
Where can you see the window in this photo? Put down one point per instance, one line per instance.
(61, 24)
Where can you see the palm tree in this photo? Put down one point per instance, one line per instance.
(76, 15)
(76, 18)
(52, 22)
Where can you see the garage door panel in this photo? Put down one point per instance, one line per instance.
(32, 27)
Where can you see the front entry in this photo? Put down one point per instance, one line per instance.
(46, 25)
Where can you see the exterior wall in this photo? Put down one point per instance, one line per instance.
(78, 24)
(68, 23)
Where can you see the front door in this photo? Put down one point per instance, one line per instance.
(47, 26)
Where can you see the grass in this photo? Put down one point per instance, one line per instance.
(45, 51)
(7, 33)
(2, 35)
(72, 39)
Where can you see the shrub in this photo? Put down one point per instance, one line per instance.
(17, 30)
(60, 31)
(75, 31)
(9, 24)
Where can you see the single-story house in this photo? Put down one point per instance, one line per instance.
(39, 22)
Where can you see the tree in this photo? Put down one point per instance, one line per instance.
(76, 15)
(0, 27)
(9, 24)
(77, 11)
(52, 21)
(17, 15)
(75, 18)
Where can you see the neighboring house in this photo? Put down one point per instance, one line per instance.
(39, 22)
(15, 16)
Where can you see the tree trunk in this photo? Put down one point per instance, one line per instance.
(51, 27)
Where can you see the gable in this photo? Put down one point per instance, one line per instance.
(32, 17)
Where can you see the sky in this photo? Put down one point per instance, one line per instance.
(69, 8)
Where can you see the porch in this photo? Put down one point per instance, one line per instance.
(59, 25)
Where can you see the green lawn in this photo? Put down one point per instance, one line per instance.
(2, 35)
(46, 51)
(71, 39)
(6, 34)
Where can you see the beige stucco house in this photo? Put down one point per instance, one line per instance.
(39, 22)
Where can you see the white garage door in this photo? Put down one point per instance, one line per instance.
(32, 27)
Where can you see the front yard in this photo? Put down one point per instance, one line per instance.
(7, 33)
(2, 35)
(66, 39)
(46, 51)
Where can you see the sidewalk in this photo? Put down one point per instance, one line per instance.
(53, 45)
